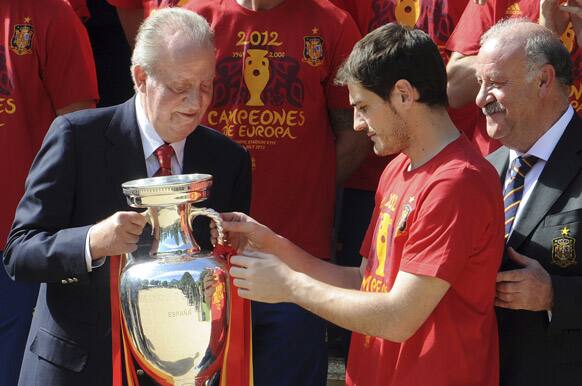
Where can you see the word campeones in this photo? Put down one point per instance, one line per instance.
(7, 106)
(257, 123)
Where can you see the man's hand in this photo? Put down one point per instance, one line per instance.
(574, 9)
(262, 277)
(528, 288)
(244, 233)
(116, 234)
(553, 17)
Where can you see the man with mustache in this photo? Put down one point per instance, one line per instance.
(524, 73)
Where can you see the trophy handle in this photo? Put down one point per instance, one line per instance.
(213, 215)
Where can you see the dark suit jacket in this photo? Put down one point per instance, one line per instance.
(74, 183)
(533, 350)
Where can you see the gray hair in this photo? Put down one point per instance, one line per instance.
(541, 46)
(160, 27)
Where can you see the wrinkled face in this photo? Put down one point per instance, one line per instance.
(507, 93)
(379, 119)
(178, 92)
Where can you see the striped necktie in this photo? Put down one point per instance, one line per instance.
(514, 188)
(164, 155)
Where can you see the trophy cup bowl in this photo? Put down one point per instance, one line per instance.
(173, 296)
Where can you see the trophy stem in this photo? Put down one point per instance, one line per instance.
(171, 230)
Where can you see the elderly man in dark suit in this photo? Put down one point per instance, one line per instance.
(74, 215)
(524, 73)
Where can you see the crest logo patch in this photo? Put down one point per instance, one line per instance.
(313, 53)
(21, 42)
(563, 249)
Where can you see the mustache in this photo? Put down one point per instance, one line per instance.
(492, 108)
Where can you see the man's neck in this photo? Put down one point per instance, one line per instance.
(430, 133)
(542, 123)
(259, 5)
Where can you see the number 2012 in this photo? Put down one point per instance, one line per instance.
(257, 38)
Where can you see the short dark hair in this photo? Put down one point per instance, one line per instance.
(394, 52)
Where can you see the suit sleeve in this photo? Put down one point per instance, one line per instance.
(42, 245)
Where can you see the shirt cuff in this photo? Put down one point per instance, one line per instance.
(88, 258)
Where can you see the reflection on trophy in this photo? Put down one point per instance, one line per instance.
(173, 296)
(256, 75)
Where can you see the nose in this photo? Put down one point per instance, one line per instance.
(193, 99)
(359, 122)
(483, 96)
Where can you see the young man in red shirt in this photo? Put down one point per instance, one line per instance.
(422, 300)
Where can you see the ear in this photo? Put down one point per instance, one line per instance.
(546, 79)
(405, 94)
(140, 77)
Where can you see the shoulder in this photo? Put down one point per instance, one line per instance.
(214, 140)
(90, 117)
(331, 17)
(463, 171)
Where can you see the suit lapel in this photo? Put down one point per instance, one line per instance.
(563, 165)
(500, 160)
(125, 158)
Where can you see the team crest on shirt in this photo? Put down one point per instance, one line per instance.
(402, 222)
(21, 42)
(313, 53)
(563, 249)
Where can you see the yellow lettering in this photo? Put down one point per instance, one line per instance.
(254, 117)
(302, 120)
(266, 117)
(212, 118)
(575, 92)
(229, 130)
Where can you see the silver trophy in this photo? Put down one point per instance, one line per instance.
(174, 296)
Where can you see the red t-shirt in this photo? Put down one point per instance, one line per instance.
(435, 17)
(426, 222)
(147, 5)
(46, 63)
(272, 92)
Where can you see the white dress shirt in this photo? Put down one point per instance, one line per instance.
(150, 140)
(542, 149)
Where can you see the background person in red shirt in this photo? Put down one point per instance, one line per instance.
(46, 69)
(427, 286)
(275, 95)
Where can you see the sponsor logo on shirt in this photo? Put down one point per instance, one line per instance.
(513, 10)
(21, 42)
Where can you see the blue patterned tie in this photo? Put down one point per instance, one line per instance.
(514, 190)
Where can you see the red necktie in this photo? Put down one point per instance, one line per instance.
(164, 154)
